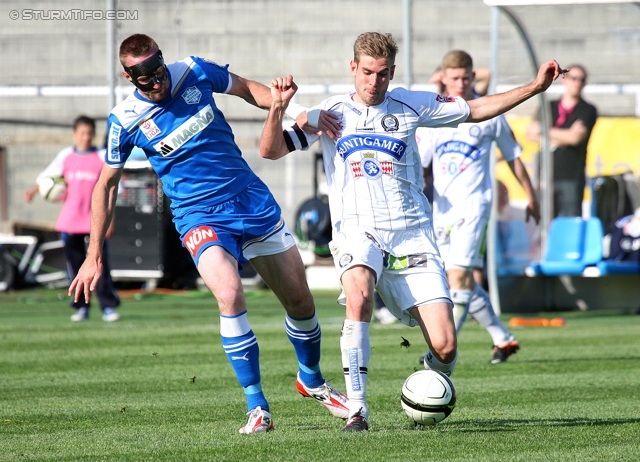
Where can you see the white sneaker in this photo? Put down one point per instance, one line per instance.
(81, 314)
(384, 316)
(335, 401)
(260, 421)
(110, 315)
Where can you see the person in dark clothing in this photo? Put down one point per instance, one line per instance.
(572, 120)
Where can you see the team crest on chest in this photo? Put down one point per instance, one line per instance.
(390, 123)
(149, 129)
(370, 167)
(192, 95)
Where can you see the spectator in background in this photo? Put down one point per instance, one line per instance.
(80, 166)
(572, 120)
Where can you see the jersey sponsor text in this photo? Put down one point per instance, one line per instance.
(186, 131)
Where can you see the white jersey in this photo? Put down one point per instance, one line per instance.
(374, 171)
(461, 160)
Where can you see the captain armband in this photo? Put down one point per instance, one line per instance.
(295, 138)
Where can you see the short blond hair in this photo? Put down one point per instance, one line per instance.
(375, 44)
(457, 59)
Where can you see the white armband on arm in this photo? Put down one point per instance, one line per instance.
(294, 110)
(313, 117)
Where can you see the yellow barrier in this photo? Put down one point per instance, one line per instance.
(614, 148)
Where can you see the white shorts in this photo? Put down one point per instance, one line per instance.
(462, 244)
(409, 270)
(277, 241)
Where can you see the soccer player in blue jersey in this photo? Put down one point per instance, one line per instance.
(224, 213)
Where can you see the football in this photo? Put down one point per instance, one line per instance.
(428, 397)
(52, 188)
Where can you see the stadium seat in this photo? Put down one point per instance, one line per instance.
(606, 267)
(573, 244)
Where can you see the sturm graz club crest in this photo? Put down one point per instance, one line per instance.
(192, 95)
(370, 166)
(475, 131)
(390, 123)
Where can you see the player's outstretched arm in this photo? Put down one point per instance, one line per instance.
(533, 207)
(272, 142)
(251, 91)
(491, 106)
(103, 203)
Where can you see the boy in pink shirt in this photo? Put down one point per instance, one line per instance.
(80, 165)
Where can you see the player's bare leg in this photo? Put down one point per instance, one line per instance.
(219, 270)
(461, 285)
(476, 302)
(358, 283)
(284, 273)
(436, 323)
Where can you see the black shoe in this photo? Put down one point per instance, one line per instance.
(500, 354)
(357, 423)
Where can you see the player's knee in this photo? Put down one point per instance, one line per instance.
(298, 302)
(229, 298)
(445, 351)
(360, 300)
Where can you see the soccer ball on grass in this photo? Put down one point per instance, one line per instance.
(428, 397)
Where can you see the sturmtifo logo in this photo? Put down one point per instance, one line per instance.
(185, 132)
(192, 95)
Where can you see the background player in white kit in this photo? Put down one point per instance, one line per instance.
(462, 199)
(382, 232)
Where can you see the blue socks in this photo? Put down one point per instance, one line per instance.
(241, 346)
(305, 336)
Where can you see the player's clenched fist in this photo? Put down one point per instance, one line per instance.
(283, 89)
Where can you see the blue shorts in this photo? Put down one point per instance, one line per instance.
(246, 226)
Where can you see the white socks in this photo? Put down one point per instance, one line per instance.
(482, 311)
(430, 362)
(460, 299)
(356, 351)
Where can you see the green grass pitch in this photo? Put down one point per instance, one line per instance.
(157, 386)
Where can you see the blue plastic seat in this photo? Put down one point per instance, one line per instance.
(573, 244)
(607, 267)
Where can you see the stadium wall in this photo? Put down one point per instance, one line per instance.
(43, 48)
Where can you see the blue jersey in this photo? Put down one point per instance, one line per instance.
(186, 138)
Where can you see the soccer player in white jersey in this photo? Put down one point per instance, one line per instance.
(225, 214)
(462, 199)
(382, 232)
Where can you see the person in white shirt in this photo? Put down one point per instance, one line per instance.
(462, 199)
(383, 236)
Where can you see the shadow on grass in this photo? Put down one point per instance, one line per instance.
(496, 425)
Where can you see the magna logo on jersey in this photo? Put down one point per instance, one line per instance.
(386, 144)
(195, 239)
(186, 131)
